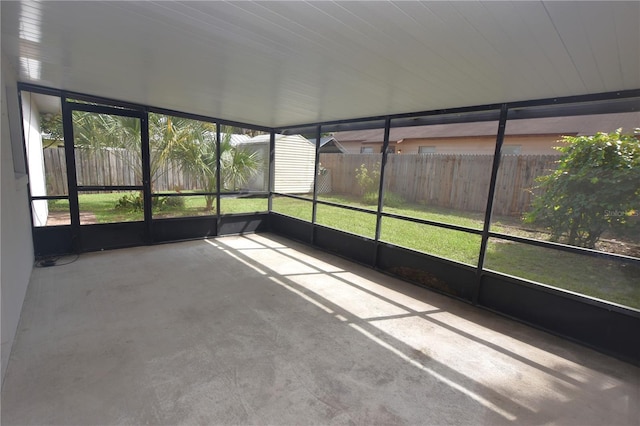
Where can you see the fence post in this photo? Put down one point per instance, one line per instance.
(314, 205)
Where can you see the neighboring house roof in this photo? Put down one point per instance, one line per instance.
(574, 125)
(329, 145)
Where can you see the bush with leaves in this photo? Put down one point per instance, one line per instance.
(133, 202)
(595, 188)
(368, 183)
(168, 203)
(368, 180)
(51, 126)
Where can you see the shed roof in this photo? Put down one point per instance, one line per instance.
(329, 144)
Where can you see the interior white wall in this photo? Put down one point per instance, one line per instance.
(33, 139)
(16, 246)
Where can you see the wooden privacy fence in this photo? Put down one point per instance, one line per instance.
(112, 168)
(453, 181)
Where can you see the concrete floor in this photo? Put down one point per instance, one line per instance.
(260, 330)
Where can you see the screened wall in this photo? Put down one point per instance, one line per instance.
(107, 174)
(477, 203)
(488, 211)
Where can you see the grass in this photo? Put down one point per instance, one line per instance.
(455, 245)
(292, 207)
(597, 277)
(601, 278)
(347, 220)
(101, 207)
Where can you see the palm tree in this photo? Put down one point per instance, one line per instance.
(100, 134)
(190, 144)
(179, 142)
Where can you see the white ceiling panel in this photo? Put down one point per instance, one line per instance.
(285, 63)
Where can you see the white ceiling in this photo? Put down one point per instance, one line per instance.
(284, 63)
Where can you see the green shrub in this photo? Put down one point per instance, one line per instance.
(368, 180)
(595, 188)
(130, 202)
(134, 202)
(167, 203)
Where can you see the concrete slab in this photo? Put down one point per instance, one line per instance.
(260, 330)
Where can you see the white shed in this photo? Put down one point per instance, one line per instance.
(294, 163)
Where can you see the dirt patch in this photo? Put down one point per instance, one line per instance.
(607, 244)
(424, 278)
(63, 218)
(618, 247)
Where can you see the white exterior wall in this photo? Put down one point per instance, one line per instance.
(33, 139)
(294, 165)
(260, 181)
(16, 247)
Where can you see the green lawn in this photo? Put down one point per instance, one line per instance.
(601, 278)
(605, 279)
(101, 207)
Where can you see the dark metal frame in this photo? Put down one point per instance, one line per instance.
(475, 285)
(502, 124)
(314, 206)
(589, 312)
(619, 101)
(609, 102)
(272, 162)
(78, 230)
(187, 227)
(383, 165)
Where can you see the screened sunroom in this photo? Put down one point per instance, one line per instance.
(180, 243)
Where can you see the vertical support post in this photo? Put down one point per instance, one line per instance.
(383, 164)
(218, 175)
(72, 180)
(146, 177)
(490, 197)
(272, 171)
(314, 207)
